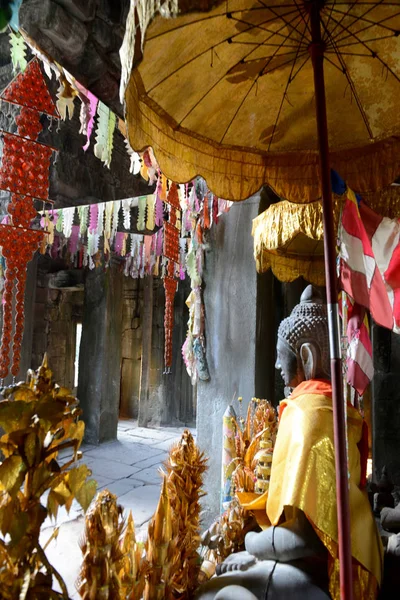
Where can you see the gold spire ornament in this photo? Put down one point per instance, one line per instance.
(102, 556)
(174, 532)
(185, 467)
(134, 563)
(263, 459)
(225, 536)
(161, 549)
(39, 419)
(257, 431)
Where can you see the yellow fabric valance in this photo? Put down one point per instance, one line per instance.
(288, 238)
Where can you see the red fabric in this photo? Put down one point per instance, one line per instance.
(360, 368)
(373, 282)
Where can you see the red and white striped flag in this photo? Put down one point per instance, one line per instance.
(360, 366)
(370, 261)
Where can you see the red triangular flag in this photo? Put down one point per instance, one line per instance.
(29, 89)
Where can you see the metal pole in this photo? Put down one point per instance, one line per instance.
(339, 423)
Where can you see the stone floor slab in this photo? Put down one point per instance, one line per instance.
(111, 469)
(165, 445)
(123, 486)
(153, 434)
(142, 501)
(157, 459)
(150, 475)
(128, 453)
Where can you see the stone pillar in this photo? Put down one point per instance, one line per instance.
(100, 354)
(267, 319)
(131, 347)
(230, 288)
(386, 402)
(145, 399)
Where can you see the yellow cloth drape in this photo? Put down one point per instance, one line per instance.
(303, 476)
(288, 238)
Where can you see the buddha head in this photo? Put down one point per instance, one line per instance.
(303, 341)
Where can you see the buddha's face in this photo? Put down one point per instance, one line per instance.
(289, 364)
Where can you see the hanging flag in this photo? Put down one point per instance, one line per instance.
(370, 261)
(18, 52)
(360, 367)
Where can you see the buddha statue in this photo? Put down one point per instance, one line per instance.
(296, 553)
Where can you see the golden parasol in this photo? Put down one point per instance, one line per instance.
(238, 95)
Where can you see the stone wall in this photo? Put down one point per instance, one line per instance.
(85, 37)
(386, 403)
(56, 314)
(131, 347)
(100, 353)
(230, 288)
(170, 398)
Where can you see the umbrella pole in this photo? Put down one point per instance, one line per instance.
(339, 423)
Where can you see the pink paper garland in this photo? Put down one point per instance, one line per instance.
(94, 218)
(93, 101)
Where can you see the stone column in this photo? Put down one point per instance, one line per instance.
(386, 402)
(230, 294)
(267, 319)
(145, 400)
(131, 347)
(100, 354)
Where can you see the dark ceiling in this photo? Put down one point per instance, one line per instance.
(84, 36)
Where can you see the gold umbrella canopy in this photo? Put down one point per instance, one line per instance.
(229, 95)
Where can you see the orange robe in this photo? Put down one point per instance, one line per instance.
(303, 477)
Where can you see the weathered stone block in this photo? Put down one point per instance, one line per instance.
(100, 355)
(39, 312)
(67, 33)
(54, 295)
(41, 294)
(102, 33)
(92, 65)
(106, 88)
(39, 342)
(84, 11)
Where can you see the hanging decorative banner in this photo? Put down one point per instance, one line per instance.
(18, 52)
(25, 167)
(18, 247)
(29, 89)
(28, 122)
(142, 202)
(150, 222)
(66, 95)
(171, 242)
(25, 173)
(88, 112)
(170, 287)
(104, 134)
(21, 210)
